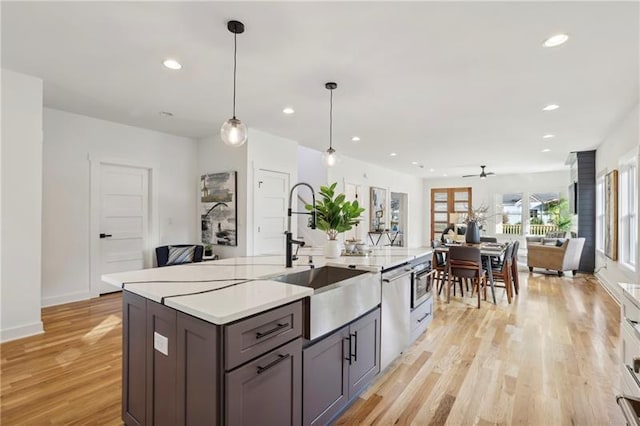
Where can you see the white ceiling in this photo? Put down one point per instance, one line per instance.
(450, 85)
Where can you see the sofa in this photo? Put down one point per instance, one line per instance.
(556, 255)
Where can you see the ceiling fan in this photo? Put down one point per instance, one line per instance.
(482, 174)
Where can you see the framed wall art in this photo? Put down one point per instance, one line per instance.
(377, 209)
(218, 208)
(611, 215)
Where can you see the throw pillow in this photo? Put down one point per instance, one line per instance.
(179, 255)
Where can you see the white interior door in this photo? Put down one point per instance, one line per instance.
(124, 220)
(270, 214)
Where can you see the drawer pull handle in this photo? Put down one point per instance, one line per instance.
(424, 317)
(348, 340)
(354, 354)
(273, 363)
(260, 335)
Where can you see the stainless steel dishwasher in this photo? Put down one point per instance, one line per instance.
(396, 321)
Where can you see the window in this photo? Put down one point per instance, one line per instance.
(509, 210)
(547, 213)
(628, 232)
(600, 214)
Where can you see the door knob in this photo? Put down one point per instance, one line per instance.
(105, 235)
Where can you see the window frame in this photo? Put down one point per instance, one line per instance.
(628, 210)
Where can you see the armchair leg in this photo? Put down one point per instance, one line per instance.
(530, 268)
(574, 272)
(560, 274)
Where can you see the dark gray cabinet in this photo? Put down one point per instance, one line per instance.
(326, 378)
(198, 366)
(365, 355)
(266, 391)
(174, 374)
(161, 364)
(134, 359)
(338, 367)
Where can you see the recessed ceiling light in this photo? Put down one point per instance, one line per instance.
(546, 150)
(432, 170)
(288, 110)
(172, 64)
(415, 163)
(393, 154)
(445, 175)
(551, 107)
(549, 136)
(556, 40)
(166, 113)
(355, 139)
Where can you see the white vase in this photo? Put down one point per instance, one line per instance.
(332, 249)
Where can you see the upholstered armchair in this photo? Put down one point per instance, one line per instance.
(556, 258)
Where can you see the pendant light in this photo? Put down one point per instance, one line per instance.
(234, 132)
(330, 157)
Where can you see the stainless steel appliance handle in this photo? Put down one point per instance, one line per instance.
(397, 277)
(628, 412)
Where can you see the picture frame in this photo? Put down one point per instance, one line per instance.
(611, 215)
(377, 209)
(218, 208)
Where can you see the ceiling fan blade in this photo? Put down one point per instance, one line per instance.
(489, 174)
(470, 175)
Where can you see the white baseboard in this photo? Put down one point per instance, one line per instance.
(604, 283)
(21, 331)
(65, 298)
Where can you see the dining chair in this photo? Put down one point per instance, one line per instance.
(439, 264)
(514, 267)
(502, 271)
(466, 263)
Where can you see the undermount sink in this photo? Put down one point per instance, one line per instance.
(340, 296)
(320, 277)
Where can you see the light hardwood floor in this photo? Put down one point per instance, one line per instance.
(549, 358)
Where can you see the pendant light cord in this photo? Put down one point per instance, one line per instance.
(235, 54)
(331, 119)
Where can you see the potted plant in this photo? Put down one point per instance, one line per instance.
(208, 250)
(335, 215)
(475, 221)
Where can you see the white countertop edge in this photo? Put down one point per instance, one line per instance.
(238, 314)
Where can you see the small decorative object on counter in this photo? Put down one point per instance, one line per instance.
(335, 215)
(208, 250)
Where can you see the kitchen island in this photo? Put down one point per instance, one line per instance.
(227, 342)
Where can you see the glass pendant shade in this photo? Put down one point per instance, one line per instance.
(330, 158)
(233, 132)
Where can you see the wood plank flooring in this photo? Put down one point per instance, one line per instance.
(549, 358)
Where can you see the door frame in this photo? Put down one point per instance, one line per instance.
(153, 227)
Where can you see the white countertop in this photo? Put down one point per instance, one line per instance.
(226, 290)
(633, 292)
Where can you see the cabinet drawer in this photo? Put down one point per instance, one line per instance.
(252, 337)
(268, 390)
(420, 319)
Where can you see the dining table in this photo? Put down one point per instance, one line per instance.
(487, 251)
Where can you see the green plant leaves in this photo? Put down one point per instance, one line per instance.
(335, 215)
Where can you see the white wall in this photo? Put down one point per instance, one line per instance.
(216, 157)
(262, 151)
(623, 138)
(485, 191)
(312, 171)
(70, 140)
(350, 170)
(273, 153)
(21, 215)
